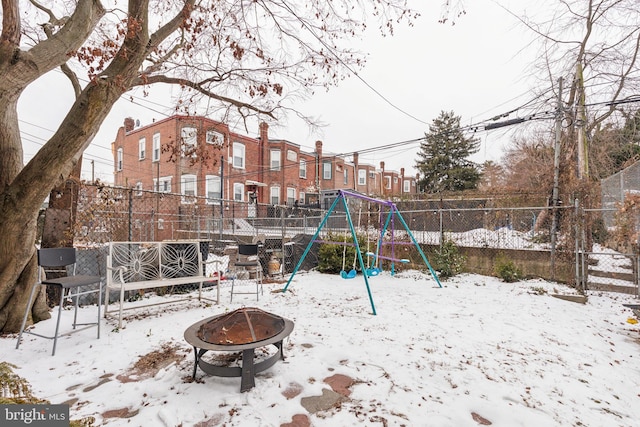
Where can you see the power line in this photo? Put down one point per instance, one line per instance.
(385, 147)
(337, 57)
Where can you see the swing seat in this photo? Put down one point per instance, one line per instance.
(350, 275)
(371, 272)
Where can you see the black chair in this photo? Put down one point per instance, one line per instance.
(247, 263)
(61, 260)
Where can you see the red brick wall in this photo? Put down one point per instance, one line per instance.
(256, 167)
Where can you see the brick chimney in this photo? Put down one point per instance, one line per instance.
(401, 180)
(264, 132)
(318, 164)
(356, 159)
(129, 124)
(263, 140)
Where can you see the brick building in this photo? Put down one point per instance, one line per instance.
(196, 156)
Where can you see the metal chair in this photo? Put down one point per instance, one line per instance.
(247, 263)
(62, 260)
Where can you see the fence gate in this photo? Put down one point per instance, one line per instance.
(609, 271)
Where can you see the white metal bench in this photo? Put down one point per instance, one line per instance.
(135, 266)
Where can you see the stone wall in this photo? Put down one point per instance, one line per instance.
(532, 263)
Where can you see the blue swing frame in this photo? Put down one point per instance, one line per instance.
(393, 212)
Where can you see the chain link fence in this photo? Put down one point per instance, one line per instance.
(108, 214)
(604, 262)
(615, 188)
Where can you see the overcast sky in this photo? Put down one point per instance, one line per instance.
(476, 68)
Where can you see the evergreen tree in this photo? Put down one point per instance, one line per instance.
(443, 157)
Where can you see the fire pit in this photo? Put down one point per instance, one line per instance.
(242, 330)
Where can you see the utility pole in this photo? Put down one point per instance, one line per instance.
(583, 154)
(556, 179)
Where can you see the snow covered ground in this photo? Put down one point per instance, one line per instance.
(474, 352)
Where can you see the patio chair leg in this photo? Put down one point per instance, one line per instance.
(26, 314)
(75, 310)
(55, 335)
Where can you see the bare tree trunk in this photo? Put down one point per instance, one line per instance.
(17, 267)
(18, 226)
(11, 314)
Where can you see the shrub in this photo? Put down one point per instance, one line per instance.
(13, 388)
(599, 231)
(448, 260)
(330, 256)
(625, 221)
(506, 270)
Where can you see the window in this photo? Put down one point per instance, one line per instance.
(274, 194)
(161, 224)
(407, 186)
(156, 147)
(213, 188)
(238, 155)
(326, 170)
(139, 188)
(395, 179)
(346, 176)
(291, 196)
(292, 156)
(387, 182)
(119, 159)
(165, 184)
(362, 177)
(188, 188)
(302, 196)
(303, 168)
(214, 138)
(238, 192)
(275, 160)
(189, 140)
(142, 143)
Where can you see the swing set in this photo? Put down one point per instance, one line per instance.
(368, 271)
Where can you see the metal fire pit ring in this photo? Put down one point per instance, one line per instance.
(248, 368)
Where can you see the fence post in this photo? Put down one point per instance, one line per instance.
(130, 234)
(441, 229)
(153, 221)
(579, 263)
